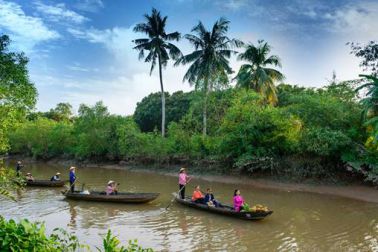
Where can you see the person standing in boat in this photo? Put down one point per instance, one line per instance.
(56, 177)
(183, 180)
(18, 168)
(72, 178)
(238, 200)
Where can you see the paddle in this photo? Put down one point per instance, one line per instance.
(170, 203)
(69, 188)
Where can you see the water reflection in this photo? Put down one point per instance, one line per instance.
(73, 215)
(301, 221)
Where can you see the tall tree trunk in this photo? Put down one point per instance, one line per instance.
(162, 100)
(204, 130)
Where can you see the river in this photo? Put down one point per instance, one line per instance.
(300, 222)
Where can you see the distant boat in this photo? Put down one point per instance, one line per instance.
(121, 197)
(225, 210)
(46, 183)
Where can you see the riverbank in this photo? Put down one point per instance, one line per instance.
(351, 190)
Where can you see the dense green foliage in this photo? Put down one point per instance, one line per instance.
(9, 182)
(17, 94)
(148, 111)
(160, 49)
(28, 236)
(311, 132)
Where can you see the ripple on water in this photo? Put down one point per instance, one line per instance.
(301, 221)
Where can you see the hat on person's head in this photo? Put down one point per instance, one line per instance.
(182, 169)
(28, 173)
(58, 173)
(110, 182)
(72, 168)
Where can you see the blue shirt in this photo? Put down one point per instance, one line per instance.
(72, 177)
(209, 197)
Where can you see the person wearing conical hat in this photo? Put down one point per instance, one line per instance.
(19, 166)
(29, 177)
(72, 178)
(183, 179)
(111, 188)
(56, 177)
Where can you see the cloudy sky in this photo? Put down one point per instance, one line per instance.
(81, 51)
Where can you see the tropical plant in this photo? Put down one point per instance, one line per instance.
(160, 50)
(370, 103)
(31, 236)
(368, 53)
(112, 244)
(17, 94)
(209, 61)
(257, 74)
(9, 182)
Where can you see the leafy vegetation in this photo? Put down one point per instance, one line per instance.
(28, 236)
(308, 133)
(257, 75)
(209, 61)
(9, 182)
(17, 94)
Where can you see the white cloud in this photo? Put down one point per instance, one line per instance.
(77, 67)
(357, 20)
(119, 84)
(117, 40)
(26, 31)
(59, 12)
(233, 5)
(90, 5)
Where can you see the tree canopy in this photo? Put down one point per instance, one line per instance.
(17, 94)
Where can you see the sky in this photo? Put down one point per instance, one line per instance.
(81, 51)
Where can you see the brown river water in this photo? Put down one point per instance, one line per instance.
(300, 222)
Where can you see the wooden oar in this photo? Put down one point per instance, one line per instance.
(178, 193)
(69, 188)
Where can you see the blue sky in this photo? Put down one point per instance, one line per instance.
(81, 51)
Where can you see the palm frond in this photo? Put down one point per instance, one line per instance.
(6, 194)
(172, 36)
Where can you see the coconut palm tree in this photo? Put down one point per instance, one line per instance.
(159, 49)
(209, 61)
(257, 74)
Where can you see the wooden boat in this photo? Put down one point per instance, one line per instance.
(45, 183)
(126, 197)
(225, 210)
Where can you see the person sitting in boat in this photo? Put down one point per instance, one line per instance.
(197, 196)
(111, 188)
(210, 199)
(29, 177)
(238, 200)
(56, 177)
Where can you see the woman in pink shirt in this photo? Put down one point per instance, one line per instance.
(183, 179)
(111, 188)
(238, 200)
